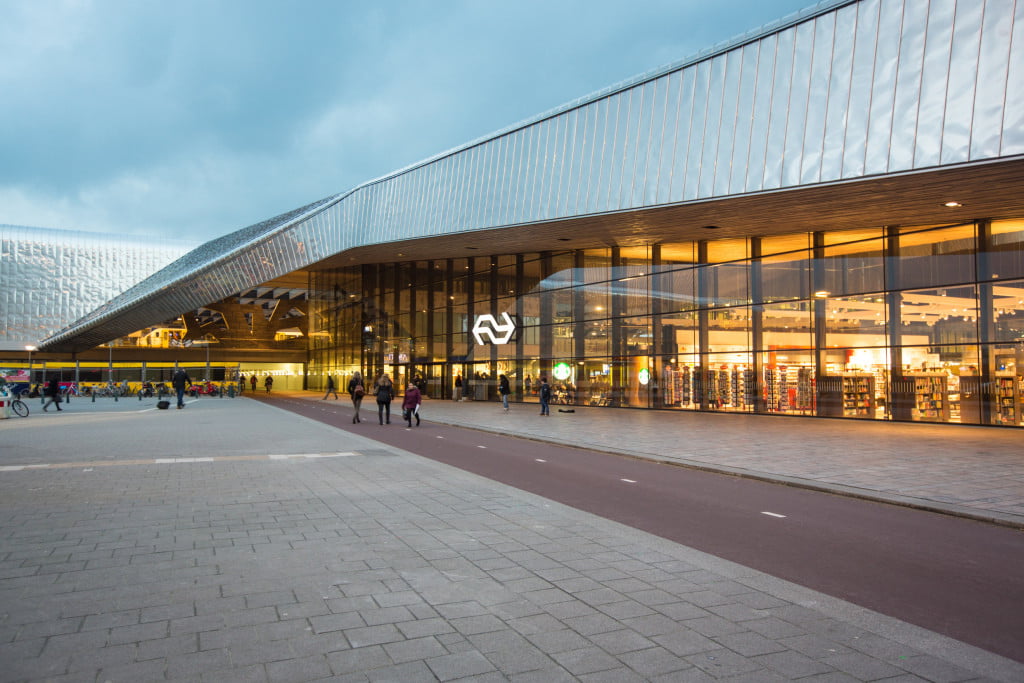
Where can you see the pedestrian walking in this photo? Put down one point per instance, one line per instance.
(330, 389)
(411, 405)
(457, 396)
(179, 381)
(268, 383)
(356, 391)
(252, 382)
(545, 396)
(385, 393)
(52, 392)
(504, 389)
(241, 384)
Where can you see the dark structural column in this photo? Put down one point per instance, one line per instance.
(757, 326)
(701, 372)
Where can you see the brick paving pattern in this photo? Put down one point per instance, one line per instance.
(372, 564)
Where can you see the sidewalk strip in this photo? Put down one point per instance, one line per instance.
(175, 461)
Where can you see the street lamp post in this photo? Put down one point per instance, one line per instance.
(30, 349)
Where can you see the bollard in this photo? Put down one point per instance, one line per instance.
(140, 395)
(93, 396)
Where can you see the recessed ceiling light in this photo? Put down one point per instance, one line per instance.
(822, 294)
(953, 205)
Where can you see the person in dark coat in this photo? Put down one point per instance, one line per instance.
(252, 382)
(411, 405)
(179, 381)
(356, 391)
(52, 392)
(545, 396)
(385, 394)
(504, 389)
(330, 389)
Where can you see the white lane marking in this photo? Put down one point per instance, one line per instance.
(481, 446)
(628, 481)
(438, 437)
(171, 461)
(540, 460)
(312, 455)
(774, 514)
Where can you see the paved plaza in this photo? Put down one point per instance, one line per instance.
(234, 541)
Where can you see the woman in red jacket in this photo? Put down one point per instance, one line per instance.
(411, 405)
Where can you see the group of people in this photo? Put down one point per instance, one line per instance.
(383, 391)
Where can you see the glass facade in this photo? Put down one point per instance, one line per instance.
(916, 324)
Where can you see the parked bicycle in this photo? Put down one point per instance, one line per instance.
(18, 407)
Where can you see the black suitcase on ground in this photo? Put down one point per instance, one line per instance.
(163, 405)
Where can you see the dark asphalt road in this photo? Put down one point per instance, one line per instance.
(957, 577)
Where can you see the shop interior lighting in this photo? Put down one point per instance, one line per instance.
(953, 205)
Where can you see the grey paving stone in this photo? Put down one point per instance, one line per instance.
(411, 672)
(460, 665)
(416, 648)
(723, 663)
(586, 660)
(654, 661)
(152, 670)
(372, 635)
(792, 664)
(298, 670)
(193, 664)
(862, 666)
(558, 641)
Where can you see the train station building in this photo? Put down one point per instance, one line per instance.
(824, 217)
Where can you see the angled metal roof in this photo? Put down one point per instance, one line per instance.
(844, 92)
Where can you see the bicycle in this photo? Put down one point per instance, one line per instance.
(19, 407)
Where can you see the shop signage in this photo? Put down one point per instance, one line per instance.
(486, 325)
(561, 371)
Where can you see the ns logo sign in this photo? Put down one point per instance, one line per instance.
(487, 326)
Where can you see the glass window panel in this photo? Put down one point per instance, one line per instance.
(936, 257)
(637, 337)
(726, 284)
(785, 243)
(788, 326)
(678, 333)
(596, 338)
(722, 251)
(596, 303)
(855, 321)
(945, 315)
(729, 330)
(679, 252)
(786, 276)
(1007, 311)
(854, 268)
(597, 266)
(631, 294)
(1005, 255)
(846, 236)
(674, 289)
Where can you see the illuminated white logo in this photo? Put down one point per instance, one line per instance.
(487, 326)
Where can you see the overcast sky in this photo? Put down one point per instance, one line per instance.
(194, 118)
